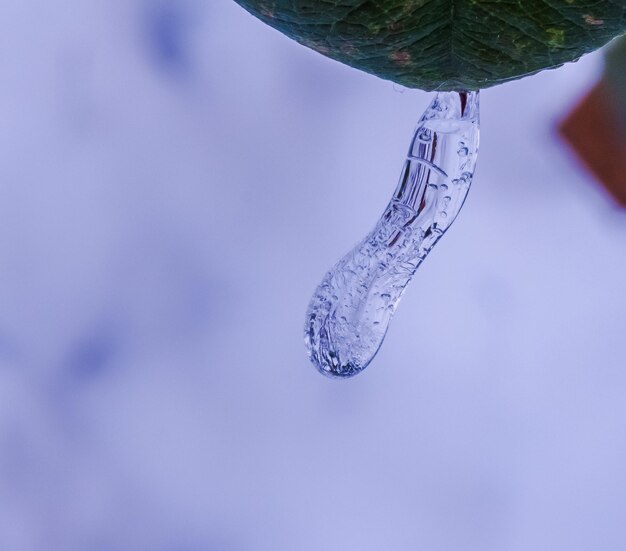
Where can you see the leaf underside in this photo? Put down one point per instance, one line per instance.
(447, 44)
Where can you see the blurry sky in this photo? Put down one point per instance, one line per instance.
(175, 179)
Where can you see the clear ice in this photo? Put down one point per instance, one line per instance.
(350, 311)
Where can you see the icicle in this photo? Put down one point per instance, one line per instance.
(351, 309)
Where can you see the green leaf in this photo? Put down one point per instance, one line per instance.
(615, 75)
(447, 44)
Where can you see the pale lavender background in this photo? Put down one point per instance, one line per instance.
(175, 178)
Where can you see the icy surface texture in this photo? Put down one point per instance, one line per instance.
(350, 311)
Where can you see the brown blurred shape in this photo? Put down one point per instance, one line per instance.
(593, 130)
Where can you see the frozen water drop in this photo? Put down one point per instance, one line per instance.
(350, 312)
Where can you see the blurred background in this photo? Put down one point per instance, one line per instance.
(175, 179)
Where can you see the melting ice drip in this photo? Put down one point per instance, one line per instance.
(351, 309)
